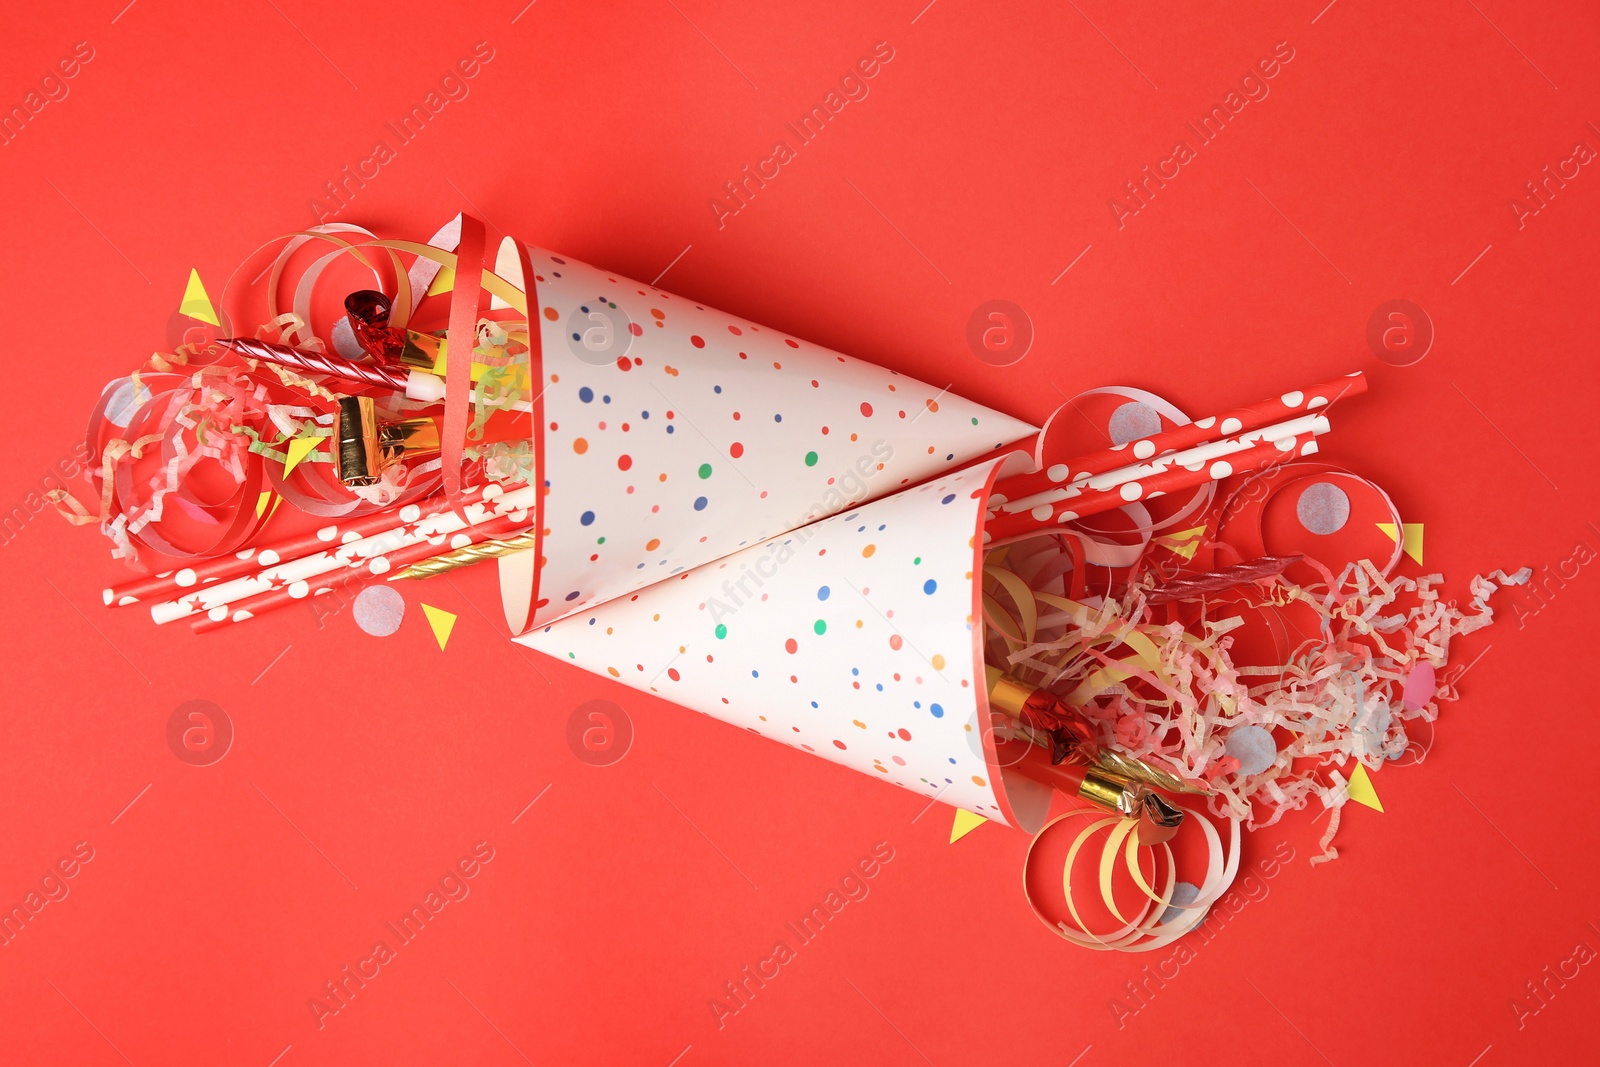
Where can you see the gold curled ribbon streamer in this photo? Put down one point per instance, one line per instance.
(1148, 930)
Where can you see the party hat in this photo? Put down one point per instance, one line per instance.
(674, 434)
(852, 638)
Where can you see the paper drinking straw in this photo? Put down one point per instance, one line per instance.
(381, 544)
(1192, 459)
(1172, 479)
(351, 579)
(208, 571)
(1251, 416)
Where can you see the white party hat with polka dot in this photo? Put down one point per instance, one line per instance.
(852, 638)
(675, 434)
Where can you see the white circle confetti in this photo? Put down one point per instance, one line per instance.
(1253, 747)
(379, 610)
(125, 400)
(1323, 508)
(1132, 421)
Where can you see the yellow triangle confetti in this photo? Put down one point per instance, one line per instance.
(441, 622)
(1413, 537)
(196, 304)
(299, 449)
(443, 282)
(1360, 789)
(1183, 543)
(965, 823)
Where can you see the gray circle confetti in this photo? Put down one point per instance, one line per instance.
(1182, 894)
(1323, 508)
(126, 399)
(1253, 747)
(379, 610)
(1132, 421)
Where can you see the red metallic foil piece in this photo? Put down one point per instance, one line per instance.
(369, 321)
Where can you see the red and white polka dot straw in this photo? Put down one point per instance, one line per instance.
(353, 578)
(1192, 459)
(1171, 478)
(1242, 419)
(206, 572)
(492, 505)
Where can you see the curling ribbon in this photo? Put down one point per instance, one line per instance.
(463, 338)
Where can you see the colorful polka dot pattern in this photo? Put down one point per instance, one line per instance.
(711, 434)
(864, 658)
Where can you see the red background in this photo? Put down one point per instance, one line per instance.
(1381, 166)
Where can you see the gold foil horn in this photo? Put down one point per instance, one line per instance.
(1158, 819)
(1014, 698)
(366, 446)
(1137, 770)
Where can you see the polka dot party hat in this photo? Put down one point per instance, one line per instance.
(851, 638)
(675, 434)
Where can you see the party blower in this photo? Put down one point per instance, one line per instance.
(1093, 618)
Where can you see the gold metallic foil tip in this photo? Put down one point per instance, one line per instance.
(1137, 770)
(467, 556)
(367, 447)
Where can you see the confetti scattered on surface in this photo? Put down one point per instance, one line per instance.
(196, 303)
(298, 449)
(1361, 790)
(380, 609)
(1413, 538)
(441, 622)
(965, 822)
